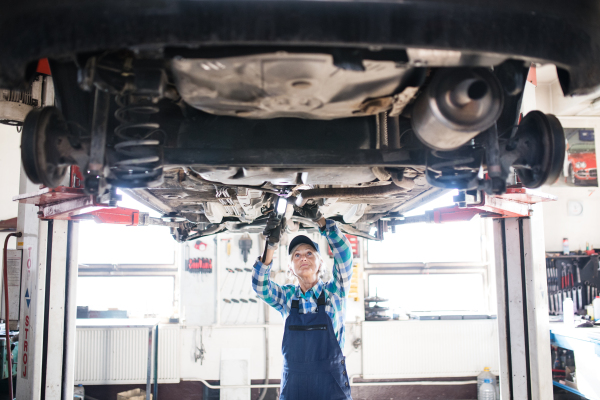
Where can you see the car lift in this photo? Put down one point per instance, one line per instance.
(521, 286)
(47, 218)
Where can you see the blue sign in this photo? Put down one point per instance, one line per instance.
(27, 298)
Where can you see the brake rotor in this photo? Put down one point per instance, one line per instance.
(44, 131)
(540, 139)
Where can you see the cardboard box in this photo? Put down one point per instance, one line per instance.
(135, 394)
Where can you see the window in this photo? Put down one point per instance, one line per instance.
(429, 242)
(128, 268)
(430, 292)
(120, 244)
(433, 267)
(140, 296)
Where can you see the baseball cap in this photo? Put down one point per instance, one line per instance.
(301, 239)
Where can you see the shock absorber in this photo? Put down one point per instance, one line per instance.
(139, 156)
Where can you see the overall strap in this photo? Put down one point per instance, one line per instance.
(321, 300)
(295, 304)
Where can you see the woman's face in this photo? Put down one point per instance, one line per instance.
(305, 263)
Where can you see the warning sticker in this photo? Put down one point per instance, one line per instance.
(14, 268)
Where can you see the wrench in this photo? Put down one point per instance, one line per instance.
(559, 302)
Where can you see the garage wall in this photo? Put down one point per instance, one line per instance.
(572, 112)
(10, 166)
(579, 229)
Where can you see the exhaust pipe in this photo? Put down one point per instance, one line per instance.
(458, 104)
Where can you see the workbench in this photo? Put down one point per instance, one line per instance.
(585, 344)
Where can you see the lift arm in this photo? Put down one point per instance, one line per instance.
(71, 203)
(516, 202)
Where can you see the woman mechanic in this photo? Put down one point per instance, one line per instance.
(314, 366)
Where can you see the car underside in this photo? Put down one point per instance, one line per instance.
(316, 102)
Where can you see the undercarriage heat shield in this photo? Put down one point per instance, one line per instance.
(286, 84)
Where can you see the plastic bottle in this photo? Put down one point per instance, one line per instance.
(79, 392)
(596, 305)
(568, 314)
(565, 246)
(486, 374)
(486, 391)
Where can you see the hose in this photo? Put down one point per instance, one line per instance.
(7, 315)
(409, 383)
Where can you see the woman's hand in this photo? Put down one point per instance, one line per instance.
(273, 231)
(312, 212)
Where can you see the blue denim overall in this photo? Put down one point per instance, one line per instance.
(314, 367)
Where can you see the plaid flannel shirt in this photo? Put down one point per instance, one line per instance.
(336, 290)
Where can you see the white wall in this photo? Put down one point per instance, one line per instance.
(10, 166)
(579, 229)
(218, 339)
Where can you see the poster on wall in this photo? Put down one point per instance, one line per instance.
(579, 169)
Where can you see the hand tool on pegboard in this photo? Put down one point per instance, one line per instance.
(229, 271)
(245, 244)
(242, 299)
(237, 272)
(199, 245)
(571, 274)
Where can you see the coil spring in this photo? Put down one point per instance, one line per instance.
(140, 158)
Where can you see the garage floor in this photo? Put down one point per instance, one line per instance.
(195, 391)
